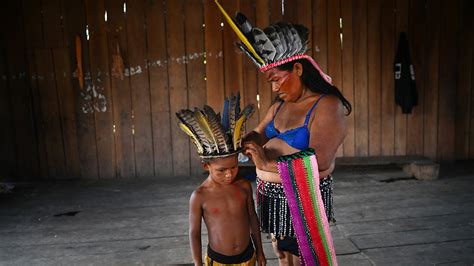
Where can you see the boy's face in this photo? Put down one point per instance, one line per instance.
(223, 170)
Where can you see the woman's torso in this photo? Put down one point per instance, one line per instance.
(290, 120)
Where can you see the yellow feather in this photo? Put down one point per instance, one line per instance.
(237, 130)
(202, 120)
(239, 33)
(188, 131)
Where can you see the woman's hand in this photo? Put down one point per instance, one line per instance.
(256, 154)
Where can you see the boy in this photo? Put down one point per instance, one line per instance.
(226, 204)
(223, 200)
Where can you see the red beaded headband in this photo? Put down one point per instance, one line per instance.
(325, 76)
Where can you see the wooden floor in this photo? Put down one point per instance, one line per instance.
(384, 217)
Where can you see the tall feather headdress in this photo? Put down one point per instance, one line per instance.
(212, 135)
(275, 45)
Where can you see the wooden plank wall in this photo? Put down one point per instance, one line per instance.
(179, 54)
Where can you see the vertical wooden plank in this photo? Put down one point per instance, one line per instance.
(347, 68)
(320, 33)
(232, 58)
(53, 37)
(275, 11)
(388, 96)
(136, 36)
(159, 90)
(121, 92)
(360, 79)
(305, 18)
(63, 75)
(33, 23)
(98, 88)
(250, 72)
(50, 112)
(447, 80)
(471, 123)
(194, 35)
(431, 78)
(177, 82)
(52, 23)
(417, 21)
(265, 97)
(214, 61)
(34, 39)
(25, 142)
(374, 74)
(400, 118)
(75, 24)
(463, 100)
(290, 11)
(7, 133)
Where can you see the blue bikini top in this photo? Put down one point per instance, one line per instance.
(297, 138)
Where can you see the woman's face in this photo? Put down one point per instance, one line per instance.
(287, 84)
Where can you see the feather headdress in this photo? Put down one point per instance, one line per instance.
(275, 45)
(212, 135)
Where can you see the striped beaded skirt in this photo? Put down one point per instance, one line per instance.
(273, 210)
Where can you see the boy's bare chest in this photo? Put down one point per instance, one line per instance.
(226, 202)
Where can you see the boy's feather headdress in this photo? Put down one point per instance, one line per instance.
(275, 45)
(212, 135)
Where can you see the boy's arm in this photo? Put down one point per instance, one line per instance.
(195, 215)
(255, 227)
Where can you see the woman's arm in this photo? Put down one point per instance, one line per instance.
(254, 141)
(328, 129)
(259, 158)
(195, 215)
(257, 135)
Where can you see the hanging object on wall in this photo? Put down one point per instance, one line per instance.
(406, 94)
(79, 71)
(117, 64)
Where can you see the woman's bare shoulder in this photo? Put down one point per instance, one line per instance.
(330, 105)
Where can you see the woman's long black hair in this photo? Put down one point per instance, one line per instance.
(313, 80)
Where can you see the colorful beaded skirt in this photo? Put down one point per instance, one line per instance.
(273, 210)
(300, 179)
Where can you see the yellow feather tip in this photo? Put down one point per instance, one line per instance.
(188, 131)
(237, 130)
(239, 33)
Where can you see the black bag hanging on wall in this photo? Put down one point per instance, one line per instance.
(405, 87)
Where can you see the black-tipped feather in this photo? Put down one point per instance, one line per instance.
(217, 129)
(275, 39)
(263, 46)
(188, 118)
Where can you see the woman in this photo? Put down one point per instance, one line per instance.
(309, 113)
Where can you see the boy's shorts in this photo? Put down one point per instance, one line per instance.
(246, 258)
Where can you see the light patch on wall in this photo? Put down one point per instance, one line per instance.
(87, 32)
(282, 7)
(105, 16)
(124, 7)
(258, 101)
(341, 35)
